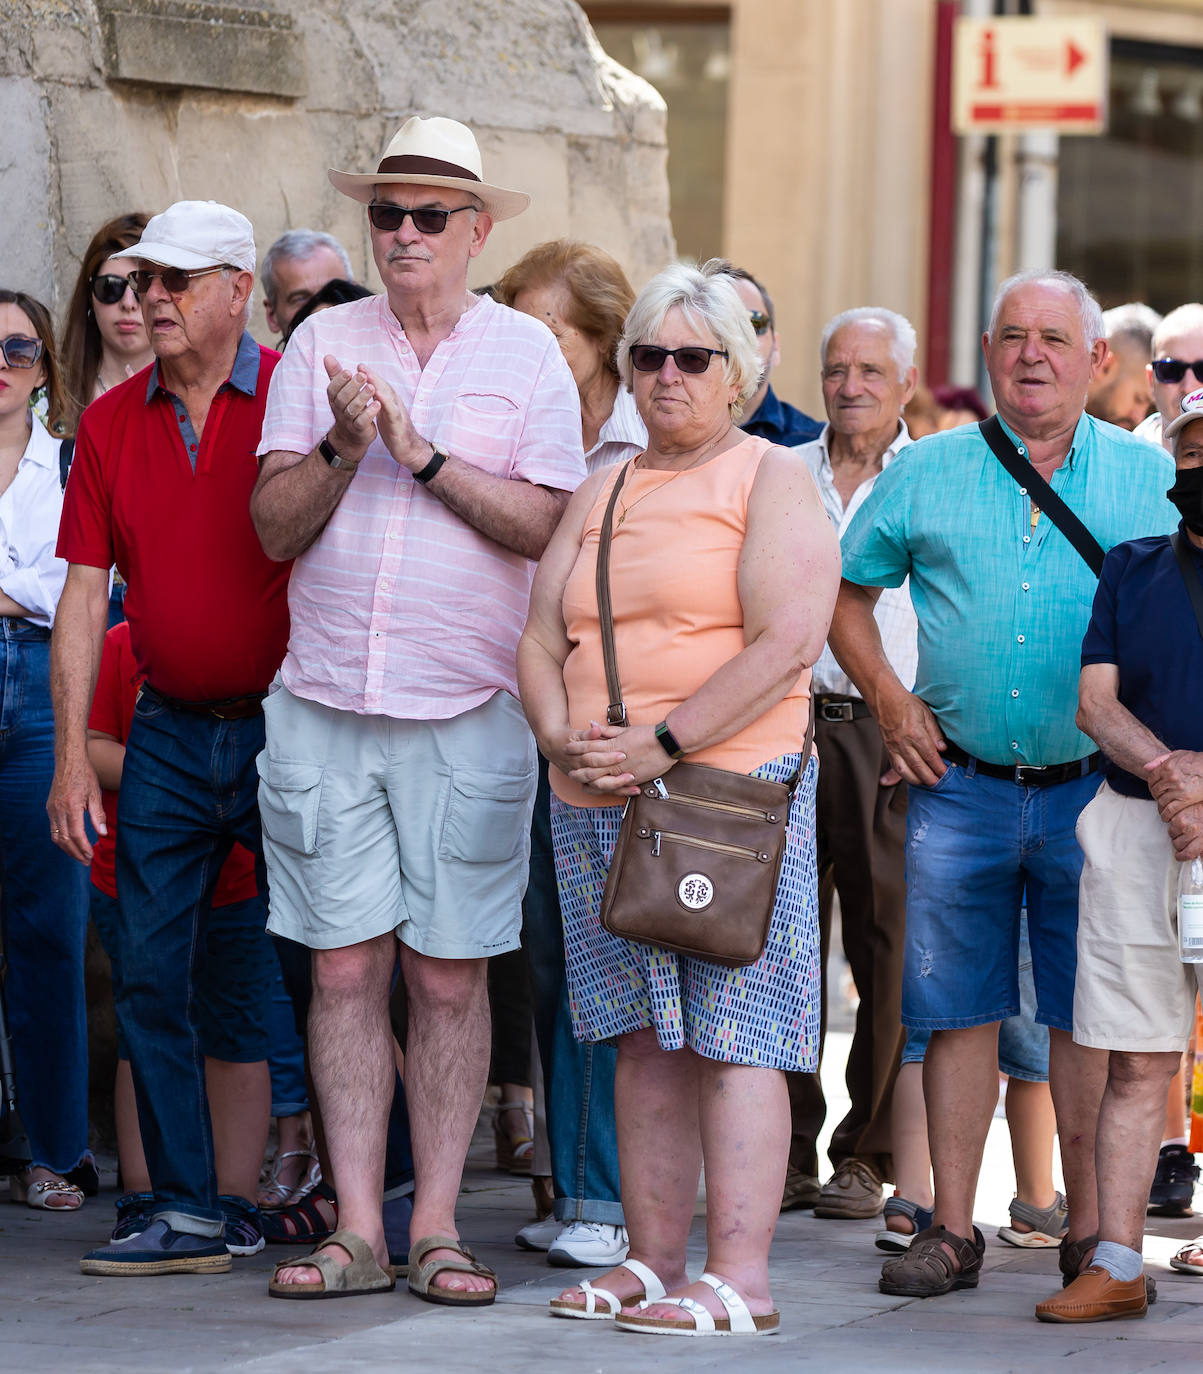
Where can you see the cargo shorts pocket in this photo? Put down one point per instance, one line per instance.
(289, 797)
(487, 816)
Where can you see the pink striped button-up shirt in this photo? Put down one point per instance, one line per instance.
(399, 607)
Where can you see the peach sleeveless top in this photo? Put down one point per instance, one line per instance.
(674, 563)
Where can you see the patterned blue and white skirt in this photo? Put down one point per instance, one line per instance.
(766, 1014)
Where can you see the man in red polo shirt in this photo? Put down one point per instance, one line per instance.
(161, 482)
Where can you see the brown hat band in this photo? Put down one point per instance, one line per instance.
(410, 165)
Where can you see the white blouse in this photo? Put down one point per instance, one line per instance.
(29, 517)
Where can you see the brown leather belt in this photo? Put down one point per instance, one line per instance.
(229, 708)
(1024, 774)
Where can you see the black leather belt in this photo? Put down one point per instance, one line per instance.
(229, 708)
(831, 707)
(1026, 775)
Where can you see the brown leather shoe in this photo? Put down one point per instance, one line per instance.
(853, 1191)
(1094, 1296)
(801, 1190)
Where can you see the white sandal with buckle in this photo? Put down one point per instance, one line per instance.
(738, 1321)
(653, 1291)
(37, 1195)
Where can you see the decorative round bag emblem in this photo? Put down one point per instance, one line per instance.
(695, 892)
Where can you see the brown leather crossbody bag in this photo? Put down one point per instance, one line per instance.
(699, 854)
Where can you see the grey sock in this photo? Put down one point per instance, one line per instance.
(1120, 1262)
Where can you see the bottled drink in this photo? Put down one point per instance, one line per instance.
(1190, 911)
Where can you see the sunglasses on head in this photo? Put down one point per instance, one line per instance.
(760, 322)
(1174, 369)
(175, 279)
(20, 350)
(427, 220)
(650, 357)
(108, 288)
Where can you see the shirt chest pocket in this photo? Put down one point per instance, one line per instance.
(483, 429)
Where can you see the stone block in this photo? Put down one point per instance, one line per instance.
(26, 182)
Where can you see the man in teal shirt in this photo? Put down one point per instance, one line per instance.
(998, 768)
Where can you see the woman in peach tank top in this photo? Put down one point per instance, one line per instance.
(724, 570)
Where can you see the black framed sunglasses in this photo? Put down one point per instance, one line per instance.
(108, 288)
(175, 279)
(388, 218)
(760, 322)
(21, 351)
(650, 357)
(1174, 369)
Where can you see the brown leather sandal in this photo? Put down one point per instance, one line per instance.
(926, 1270)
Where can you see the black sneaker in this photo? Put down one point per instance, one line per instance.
(244, 1226)
(1174, 1182)
(133, 1215)
(159, 1250)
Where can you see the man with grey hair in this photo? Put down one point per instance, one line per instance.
(1175, 369)
(981, 521)
(868, 375)
(299, 263)
(1120, 392)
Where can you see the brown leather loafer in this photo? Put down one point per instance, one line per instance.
(1094, 1296)
(853, 1191)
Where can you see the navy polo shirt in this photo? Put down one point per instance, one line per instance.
(1143, 623)
(781, 423)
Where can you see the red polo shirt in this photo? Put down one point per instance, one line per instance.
(207, 609)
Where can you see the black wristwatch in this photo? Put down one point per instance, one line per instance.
(326, 449)
(668, 741)
(437, 460)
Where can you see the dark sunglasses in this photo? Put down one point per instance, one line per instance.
(20, 350)
(108, 288)
(761, 323)
(175, 279)
(427, 220)
(650, 357)
(1174, 369)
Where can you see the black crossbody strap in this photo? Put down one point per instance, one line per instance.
(1043, 495)
(616, 712)
(1190, 575)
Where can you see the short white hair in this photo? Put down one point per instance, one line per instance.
(1133, 326)
(1089, 310)
(708, 298)
(903, 340)
(298, 243)
(1178, 321)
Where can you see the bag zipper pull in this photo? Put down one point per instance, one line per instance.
(661, 790)
(655, 844)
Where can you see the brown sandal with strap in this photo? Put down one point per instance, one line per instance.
(422, 1270)
(1071, 1255)
(926, 1270)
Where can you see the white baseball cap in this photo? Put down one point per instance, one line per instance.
(197, 233)
(1192, 409)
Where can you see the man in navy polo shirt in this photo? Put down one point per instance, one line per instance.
(1134, 998)
(161, 485)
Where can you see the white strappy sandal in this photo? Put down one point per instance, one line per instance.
(738, 1321)
(589, 1311)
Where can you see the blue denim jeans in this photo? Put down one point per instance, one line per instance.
(189, 790)
(286, 1053)
(43, 913)
(578, 1078)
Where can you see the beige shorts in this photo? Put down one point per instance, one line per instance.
(419, 827)
(1132, 991)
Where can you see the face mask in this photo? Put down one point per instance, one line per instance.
(1187, 495)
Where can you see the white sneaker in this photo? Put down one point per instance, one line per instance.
(539, 1234)
(588, 1245)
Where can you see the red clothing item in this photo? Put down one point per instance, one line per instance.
(117, 686)
(207, 609)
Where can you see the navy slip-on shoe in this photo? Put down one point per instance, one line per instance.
(159, 1250)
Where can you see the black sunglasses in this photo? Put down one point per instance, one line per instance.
(20, 350)
(1174, 369)
(427, 220)
(108, 288)
(175, 279)
(650, 357)
(760, 322)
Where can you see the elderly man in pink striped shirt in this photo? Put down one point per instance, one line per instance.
(417, 452)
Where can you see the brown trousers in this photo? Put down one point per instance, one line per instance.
(861, 850)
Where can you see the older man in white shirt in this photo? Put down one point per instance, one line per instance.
(868, 375)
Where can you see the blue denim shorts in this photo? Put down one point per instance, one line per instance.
(232, 978)
(975, 845)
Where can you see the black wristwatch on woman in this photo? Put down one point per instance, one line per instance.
(668, 741)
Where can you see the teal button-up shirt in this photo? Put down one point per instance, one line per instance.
(1003, 608)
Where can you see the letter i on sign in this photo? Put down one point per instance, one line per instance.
(987, 81)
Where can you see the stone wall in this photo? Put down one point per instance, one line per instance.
(114, 105)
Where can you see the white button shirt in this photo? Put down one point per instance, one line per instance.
(894, 613)
(30, 508)
(623, 436)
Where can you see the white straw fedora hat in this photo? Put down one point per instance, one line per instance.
(432, 152)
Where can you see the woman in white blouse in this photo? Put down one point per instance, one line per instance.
(44, 906)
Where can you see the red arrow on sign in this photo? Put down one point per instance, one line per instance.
(1074, 56)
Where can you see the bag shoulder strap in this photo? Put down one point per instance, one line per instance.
(616, 711)
(1045, 497)
(1190, 575)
